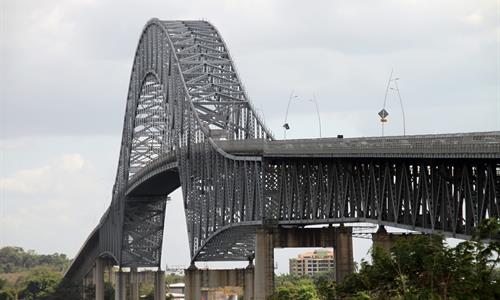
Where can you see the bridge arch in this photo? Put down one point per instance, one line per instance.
(184, 96)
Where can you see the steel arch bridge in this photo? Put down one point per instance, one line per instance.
(189, 123)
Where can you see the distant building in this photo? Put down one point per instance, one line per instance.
(174, 270)
(311, 262)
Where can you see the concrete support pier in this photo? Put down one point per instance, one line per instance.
(134, 284)
(386, 240)
(120, 285)
(159, 285)
(99, 279)
(192, 280)
(264, 264)
(248, 292)
(258, 281)
(200, 284)
(383, 239)
(343, 255)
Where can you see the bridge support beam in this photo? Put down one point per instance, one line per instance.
(120, 285)
(99, 279)
(159, 285)
(343, 255)
(340, 238)
(264, 264)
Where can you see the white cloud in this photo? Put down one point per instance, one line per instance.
(73, 162)
(26, 181)
(475, 18)
(58, 202)
(76, 55)
(48, 178)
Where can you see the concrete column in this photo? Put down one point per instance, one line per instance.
(192, 280)
(160, 285)
(248, 293)
(134, 284)
(344, 262)
(99, 279)
(264, 264)
(120, 285)
(382, 239)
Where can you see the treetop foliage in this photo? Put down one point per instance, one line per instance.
(16, 259)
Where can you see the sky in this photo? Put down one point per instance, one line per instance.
(65, 68)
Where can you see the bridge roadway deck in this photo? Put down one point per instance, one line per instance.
(462, 145)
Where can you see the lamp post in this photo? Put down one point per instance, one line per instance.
(401, 104)
(285, 125)
(383, 113)
(317, 112)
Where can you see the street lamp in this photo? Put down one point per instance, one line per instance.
(286, 126)
(401, 104)
(383, 113)
(317, 112)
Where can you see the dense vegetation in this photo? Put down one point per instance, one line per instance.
(25, 275)
(421, 267)
(15, 259)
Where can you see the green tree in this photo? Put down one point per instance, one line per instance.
(292, 287)
(15, 259)
(6, 292)
(173, 278)
(424, 267)
(40, 284)
(325, 285)
(69, 290)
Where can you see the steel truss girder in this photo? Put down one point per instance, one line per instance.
(451, 196)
